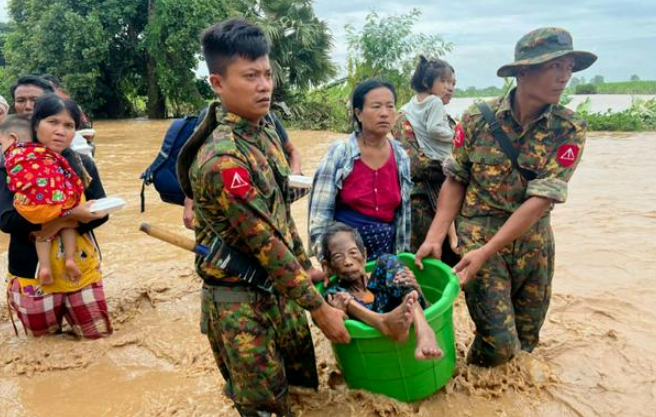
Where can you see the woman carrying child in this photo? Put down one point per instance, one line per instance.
(426, 132)
(72, 291)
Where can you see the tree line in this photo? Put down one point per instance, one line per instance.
(111, 54)
(117, 56)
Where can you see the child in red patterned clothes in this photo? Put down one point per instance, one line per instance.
(45, 187)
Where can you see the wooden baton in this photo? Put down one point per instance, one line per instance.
(173, 238)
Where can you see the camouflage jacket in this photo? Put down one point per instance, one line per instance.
(237, 175)
(551, 146)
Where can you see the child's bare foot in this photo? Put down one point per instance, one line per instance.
(45, 276)
(396, 323)
(74, 273)
(427, 347)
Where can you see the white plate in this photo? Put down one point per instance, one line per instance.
(300, 181)
(108, 205)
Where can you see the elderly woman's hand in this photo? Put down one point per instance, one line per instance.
(407, 278)
(339, 300)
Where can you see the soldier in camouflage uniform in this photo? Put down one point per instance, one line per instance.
(503, 218)
(235, 170)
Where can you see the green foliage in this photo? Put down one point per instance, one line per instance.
(640, 116)
(5, 28)
(109, 54)
(53, 38)
(491, 91)
(323, 109)
(172, 42)
(386, 48)
(628, 87)
(635, 77)
(300, 56)
(586, 89)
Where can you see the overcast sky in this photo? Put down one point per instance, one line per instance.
(621, 32)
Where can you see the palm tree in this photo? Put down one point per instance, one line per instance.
(300, 44)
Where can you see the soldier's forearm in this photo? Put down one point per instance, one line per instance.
(517, 224)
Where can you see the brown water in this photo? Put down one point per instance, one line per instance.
(597, 356)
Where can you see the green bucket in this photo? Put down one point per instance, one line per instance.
(375, 363)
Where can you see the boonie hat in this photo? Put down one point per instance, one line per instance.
(542, 45)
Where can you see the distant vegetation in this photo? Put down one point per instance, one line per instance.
(595, 86)
(479, 92)
(641, 116)
(627, 87)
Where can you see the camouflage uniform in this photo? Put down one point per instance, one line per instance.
(427, 179)
(237, 175)
(509, 297)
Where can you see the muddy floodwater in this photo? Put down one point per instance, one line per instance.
(598, 349)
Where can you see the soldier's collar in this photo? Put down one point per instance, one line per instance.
(238, 123)
(506, 107)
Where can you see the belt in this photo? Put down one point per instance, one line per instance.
(224, 294)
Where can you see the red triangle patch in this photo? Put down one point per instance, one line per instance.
(237, 181)
(567, 154)
(459, 136)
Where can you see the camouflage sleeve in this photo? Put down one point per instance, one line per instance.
(299, 249)
(552, 181)
(458, 165)
(228, 182)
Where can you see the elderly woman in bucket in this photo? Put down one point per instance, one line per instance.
(389, 300)
(365, 181)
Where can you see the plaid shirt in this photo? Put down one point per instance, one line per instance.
(335, 167)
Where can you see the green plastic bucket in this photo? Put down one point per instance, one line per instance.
(375, 363)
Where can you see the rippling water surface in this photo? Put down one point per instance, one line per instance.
(597, 356)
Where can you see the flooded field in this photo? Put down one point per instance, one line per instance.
(597, 356)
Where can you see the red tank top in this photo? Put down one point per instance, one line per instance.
(373, 192)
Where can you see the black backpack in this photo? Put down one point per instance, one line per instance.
(161, 171)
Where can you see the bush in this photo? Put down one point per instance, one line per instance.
(322, 109)
(585, 89)
(641, 116)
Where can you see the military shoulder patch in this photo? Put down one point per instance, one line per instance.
(567, 154)
(459, 136)
(237, 181)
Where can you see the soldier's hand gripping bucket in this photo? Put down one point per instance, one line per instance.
(375, 363)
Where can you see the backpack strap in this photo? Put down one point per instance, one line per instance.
(504, 141)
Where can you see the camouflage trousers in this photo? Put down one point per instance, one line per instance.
(422, 213)
(509, 297)
(261, 344)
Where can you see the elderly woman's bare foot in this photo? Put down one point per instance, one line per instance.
(427, 347)
(396, 323)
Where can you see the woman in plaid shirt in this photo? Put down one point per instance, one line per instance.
(364, 181)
